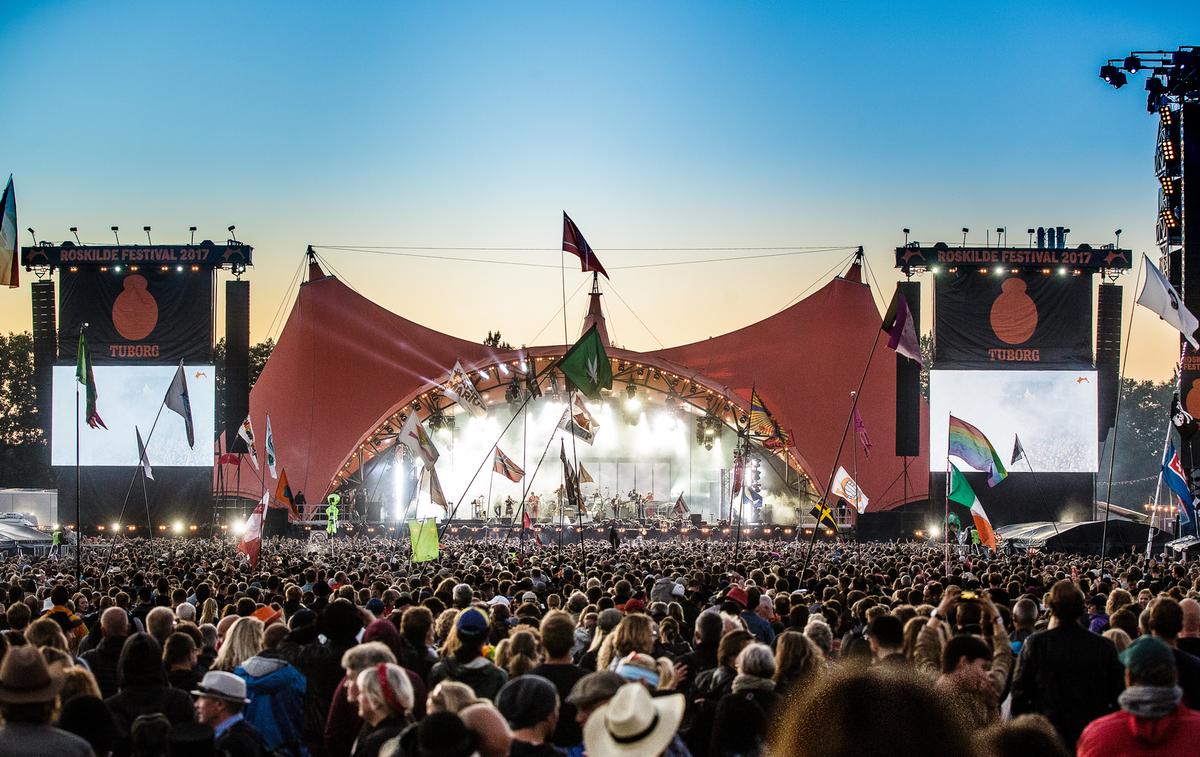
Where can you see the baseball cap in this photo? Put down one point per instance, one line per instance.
(471, 624)
(1145, 654)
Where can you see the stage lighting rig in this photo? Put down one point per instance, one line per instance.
(1172, 74)
(75, 231)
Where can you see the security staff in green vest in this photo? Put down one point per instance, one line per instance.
(56, 537)
(332, 512)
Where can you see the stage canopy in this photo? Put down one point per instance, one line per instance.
(345, 371)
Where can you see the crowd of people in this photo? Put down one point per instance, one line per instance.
(181, 647)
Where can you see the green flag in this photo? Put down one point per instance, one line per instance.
(424, 537)
(586, 365)
(83, 374)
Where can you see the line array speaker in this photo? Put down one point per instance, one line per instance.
(908, 383)
(1108, 353)
(45, 350)
(237, 361)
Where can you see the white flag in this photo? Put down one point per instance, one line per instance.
(460, 389)
(847, 489)
(246, 432)
(1159, 296)
(177, 399)
(143, 458)
(270, 448)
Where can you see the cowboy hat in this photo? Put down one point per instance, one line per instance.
(25, 678)
(633, 723)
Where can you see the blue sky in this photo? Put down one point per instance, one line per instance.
(655, 125)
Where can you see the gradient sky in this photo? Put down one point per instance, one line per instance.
(666, 125)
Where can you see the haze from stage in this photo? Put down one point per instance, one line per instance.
(130, 396)
(1054, 413)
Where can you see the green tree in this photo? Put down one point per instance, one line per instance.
(495, 340)
(259, 353)
(24, 453)
(1145, 408)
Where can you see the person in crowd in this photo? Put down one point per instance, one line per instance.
(86, 716)
(491, 730)
(740, 720)
(1165, 620)
(606, 623)
(343, 722)
(102, 661)
(1119, 638)
(966, 662)
(885, 634)
(703, 657)
(28, 694)
(1067, 673)
(465, 661)
(144, 690)
(450, 696)
(530, 705)
(586, 696)
(320, 662)
(633, 722)
(1189, 634)
(416, 634)
(798, 661)
(1153, 719)
(181, 659)
(384, 698)
(220, 699)
(1022, 736)
(558, 637)
(275, 689)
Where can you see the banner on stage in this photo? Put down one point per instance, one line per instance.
(460, 389)
(1012, 321)
(148, 316)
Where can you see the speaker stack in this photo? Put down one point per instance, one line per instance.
(237, 362)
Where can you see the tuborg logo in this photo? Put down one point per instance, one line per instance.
(135, 312)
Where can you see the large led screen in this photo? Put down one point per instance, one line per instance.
(1053, 413)
(130, 396)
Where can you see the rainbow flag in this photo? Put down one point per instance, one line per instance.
(970, 445)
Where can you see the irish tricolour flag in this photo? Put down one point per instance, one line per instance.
(962, 493)
(970, 445)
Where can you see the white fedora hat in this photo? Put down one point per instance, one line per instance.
(633, 723)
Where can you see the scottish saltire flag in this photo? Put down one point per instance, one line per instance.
(1172, 473)
(968, 444)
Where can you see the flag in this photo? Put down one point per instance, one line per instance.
(681, 509)
(246, 433)
(739, 472)
(584, 476)
(1018, 451)
(283, 495)
(424, 536)
(574, 243)
(860, 428)
(143, 458)
(415, 442)
(180, 401)
(823, 512)
(431, 482)
(970, 445)
(962, 493)
(846, 488)
(251, 543)
(425, 448)
(1160, 297)
(1183, 421)
(85, 376)
(504, 465)
(762, 423)
(571, 480)
(526, 524)
(10, 264)
(578, 421)
(1172, 473)
(228, 458)
(460, 389)
(270, 448)
(901, 330)
(586, 365)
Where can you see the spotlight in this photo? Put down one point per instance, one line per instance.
(177, 527)
(116, 526)
(1155, 86)
(998, 270)
(1113, 76)
(192, 230)
(231, 234)
(934, 532)
(239, 527)
(1062, 270)
(178, 269)
(483, 375)
(1133, 64)
(116, 269)
(631, 390)
(504, 369)
(30, 230)
(114, 231)
(75, 231)
(935, 270)
(147, 230)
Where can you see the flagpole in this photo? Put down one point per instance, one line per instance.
(833, 471)
(129, 490)
(946, 517)
(1037, 484)
(1117, 425)
(78, 521)
(857, 498)
(487, 505)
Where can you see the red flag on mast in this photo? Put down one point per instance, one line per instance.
(574, 243)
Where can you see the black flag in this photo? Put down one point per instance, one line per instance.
(1018, 451)
(1182, 420)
